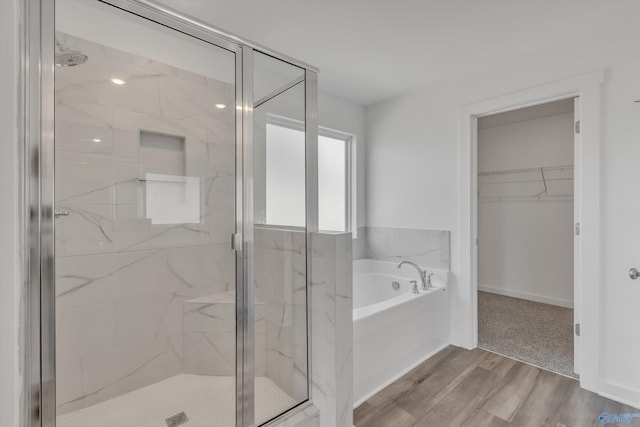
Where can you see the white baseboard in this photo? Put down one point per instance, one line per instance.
(397, 377)
(463, 341)
(620, 393)
(527, 296)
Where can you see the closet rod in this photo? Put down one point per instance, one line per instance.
(524, 181)
(525, 170)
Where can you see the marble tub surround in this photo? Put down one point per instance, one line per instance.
(123, 272)
(428, 248)
(332, 328)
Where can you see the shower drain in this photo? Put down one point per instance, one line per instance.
(177, 419)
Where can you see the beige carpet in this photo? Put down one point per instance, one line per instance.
(535, 333)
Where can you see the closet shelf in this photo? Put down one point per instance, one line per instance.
(544, 181)
(568, 168)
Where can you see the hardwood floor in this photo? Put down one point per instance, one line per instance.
(476, 388)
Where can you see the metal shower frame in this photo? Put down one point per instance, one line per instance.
(38, 169)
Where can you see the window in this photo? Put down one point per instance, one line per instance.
(285, 198)
(285, 178)
(333, 179)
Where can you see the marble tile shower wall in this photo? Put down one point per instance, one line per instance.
(428, 248)
(122, 281)
(360, 244)
(281, 283)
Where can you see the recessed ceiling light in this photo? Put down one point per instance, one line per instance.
(96, 140)
(116, 81)
(221, 106)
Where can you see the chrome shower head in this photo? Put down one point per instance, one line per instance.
(68, 57)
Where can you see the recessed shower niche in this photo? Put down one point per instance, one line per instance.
(169, 194)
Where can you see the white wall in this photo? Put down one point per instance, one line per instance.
(412, 171)
(525, 244)
(544, 141)
(10, 377)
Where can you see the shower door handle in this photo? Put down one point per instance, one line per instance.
(57, 213)
(634, 273)
(236, 242)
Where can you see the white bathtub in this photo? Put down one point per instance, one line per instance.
(394, 330)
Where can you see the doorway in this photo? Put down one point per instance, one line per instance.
(586, 88)
(525, 246)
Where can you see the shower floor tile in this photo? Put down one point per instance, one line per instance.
(208, 401)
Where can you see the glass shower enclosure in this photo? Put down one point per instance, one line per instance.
(167, 295)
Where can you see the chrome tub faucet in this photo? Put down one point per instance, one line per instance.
(426, 284)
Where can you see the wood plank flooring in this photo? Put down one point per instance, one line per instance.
(476, 388)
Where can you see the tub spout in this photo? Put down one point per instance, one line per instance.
(421, 272)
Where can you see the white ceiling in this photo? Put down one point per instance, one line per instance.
(370, 50)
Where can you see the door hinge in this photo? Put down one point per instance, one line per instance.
(236, 242)
(577, 126)
(577, 230)
(578, 329)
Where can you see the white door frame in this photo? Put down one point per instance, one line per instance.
(587, 211)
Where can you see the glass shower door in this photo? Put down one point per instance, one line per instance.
(280, 235)
(181, 225)
(145, 201)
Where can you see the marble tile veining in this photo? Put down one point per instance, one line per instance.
(123, 280)
(280, 282)
(428, 248)
(332, 323)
